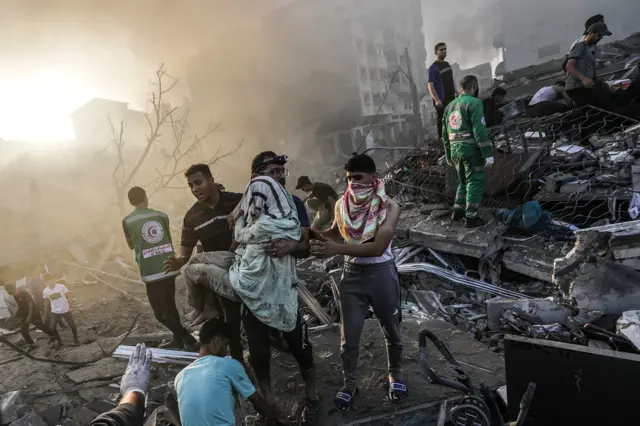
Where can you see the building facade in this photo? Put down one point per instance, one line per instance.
(361, 44)
(536, 32)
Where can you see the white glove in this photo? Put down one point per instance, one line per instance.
(634, 206)
(138, 373)
(489, 162)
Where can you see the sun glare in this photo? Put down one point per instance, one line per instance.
(36, 107)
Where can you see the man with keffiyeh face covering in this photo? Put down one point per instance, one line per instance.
(365, 222)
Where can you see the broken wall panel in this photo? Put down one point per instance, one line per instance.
(575, 385)
(614, 243)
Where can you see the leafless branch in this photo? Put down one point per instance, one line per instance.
(60, 361)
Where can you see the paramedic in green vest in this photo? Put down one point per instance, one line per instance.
(468, 149)
(148, 234)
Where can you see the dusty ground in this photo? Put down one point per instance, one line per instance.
(103, 313)
(372, 399)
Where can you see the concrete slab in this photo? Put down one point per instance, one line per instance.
(451, 237)
(82, 415)
(104, 369)
(532, 259)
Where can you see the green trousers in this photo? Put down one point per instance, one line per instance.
(471, 177)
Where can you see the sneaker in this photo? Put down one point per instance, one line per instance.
(457, 215)
(473, 222)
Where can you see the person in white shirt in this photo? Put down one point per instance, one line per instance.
(57, 303)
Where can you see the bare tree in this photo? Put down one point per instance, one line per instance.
(180, 145)
(186, 145)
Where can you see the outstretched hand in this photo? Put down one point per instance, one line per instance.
(138, 373)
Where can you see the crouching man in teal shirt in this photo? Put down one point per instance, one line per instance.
(207, 388)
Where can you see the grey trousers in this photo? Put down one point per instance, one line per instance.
(362, 286)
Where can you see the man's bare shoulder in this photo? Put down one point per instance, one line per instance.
(392, 204)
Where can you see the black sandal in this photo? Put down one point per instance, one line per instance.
(344, 399)
(398, 391)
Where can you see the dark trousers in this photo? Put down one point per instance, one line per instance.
(232, 312)
(361, 286)
(259, 338)
(440, 115)
(162, 298)
(54, 319)
(37, 321)
(545, 108)
(597, 96)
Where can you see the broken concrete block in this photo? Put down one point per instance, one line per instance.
(82, 415)
(9, 404)
(104, 369)
(544, 311)
(584, 317)
(595, 245)
(554, 181)
(52, 415)
(607, 287)
(31, 419)
(575, 187)
(628, 325)
(100, 406)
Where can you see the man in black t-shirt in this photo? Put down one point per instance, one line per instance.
(322, 199)
(440, 83)
(206, 222)
(28, 314)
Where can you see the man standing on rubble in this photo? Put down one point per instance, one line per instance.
(268, 163)
(440, 84)
(57, 306)
(468, 148)
(366, 220)
(29, 314)
(206, 222)
(147, 233)
(581, 83)
(322, 199)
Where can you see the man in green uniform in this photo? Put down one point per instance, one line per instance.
(147, 233)
(468, 148)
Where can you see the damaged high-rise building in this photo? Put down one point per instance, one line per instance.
(323, 69)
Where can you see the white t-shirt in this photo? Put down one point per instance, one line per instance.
(58, 298)
(546, 94)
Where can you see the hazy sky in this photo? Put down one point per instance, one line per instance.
(57, 55)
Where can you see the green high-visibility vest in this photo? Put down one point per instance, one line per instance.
(150, 236)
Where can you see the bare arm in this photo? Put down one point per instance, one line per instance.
(383, 237)
(174, 263)
(70, 300)
(564, 95)
(262, 407)
(301, 249)
(374, 248)
(433, 93)
(47, 306)
(573, 71)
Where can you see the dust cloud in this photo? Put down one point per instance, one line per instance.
(469, 28)
(250, 82)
